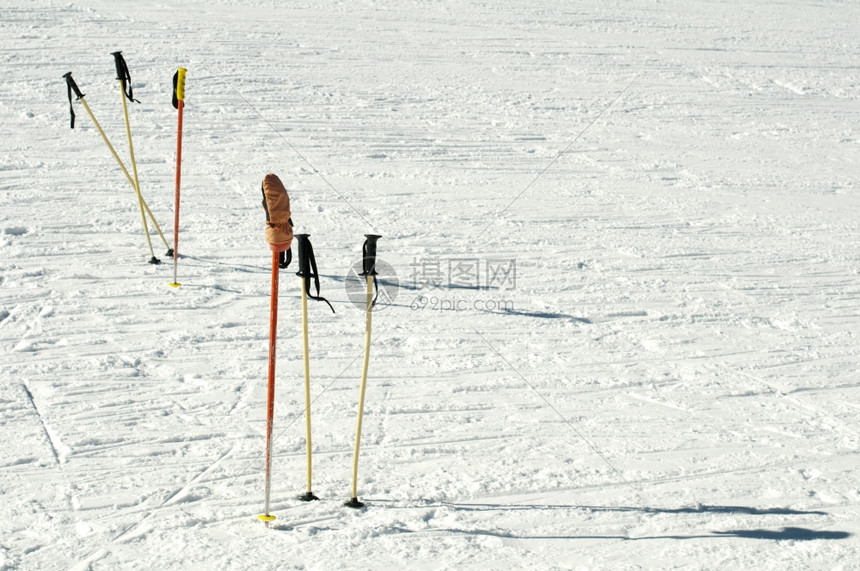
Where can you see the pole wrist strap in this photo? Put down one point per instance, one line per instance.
(123, 75)
(72, 86)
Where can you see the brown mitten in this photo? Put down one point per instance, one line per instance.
(276, 202)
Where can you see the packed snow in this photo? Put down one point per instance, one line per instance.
(619, 331)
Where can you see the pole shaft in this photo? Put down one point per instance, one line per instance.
(270, 399)
(369, 310)
(119, 162)
(155, 223)
(307, 377)
(107, 142)
(181, 105)
(134, 166)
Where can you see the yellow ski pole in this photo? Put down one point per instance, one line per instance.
(124, 79)
(309, 495)
(73, 87)
(369, 272)
(307, 270)
(122, 76)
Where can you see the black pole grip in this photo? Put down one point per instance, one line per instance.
(368, 262)
(176, 99)
(303, 244)
(123, 75)
(72, 86)
(308, 268)
(121, 68)
(71, 83)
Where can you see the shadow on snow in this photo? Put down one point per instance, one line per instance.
(783, 534)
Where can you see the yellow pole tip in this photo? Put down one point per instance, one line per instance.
(175, 285)
(265, 517)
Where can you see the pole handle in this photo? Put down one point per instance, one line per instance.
(121, 69)
(179, 86)
(368, 261)
(70, 82)
(308, 267)
(70, 87)
(123, 75)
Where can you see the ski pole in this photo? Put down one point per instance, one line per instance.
(270, 398)
(308, 270)
(73, 87)
(179, 104)
(304, 273)
(122, 77)
(309, 495)
(369, 272)
(279, 234)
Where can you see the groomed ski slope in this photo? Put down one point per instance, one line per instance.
(626, 332)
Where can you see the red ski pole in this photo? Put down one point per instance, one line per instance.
(179, 103)
(270, 399)
(279, 234)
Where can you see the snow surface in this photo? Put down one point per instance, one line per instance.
(626, 333)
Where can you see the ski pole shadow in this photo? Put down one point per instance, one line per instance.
(697, 509)
(249, 268)
(784, 534)
(781, 534)
(540, 315)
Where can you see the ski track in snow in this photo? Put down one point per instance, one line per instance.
(671, 379)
